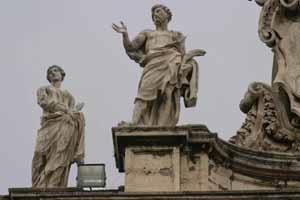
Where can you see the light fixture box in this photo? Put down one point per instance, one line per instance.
(91, 176)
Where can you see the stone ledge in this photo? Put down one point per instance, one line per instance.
(74, 193)
(157, 135)
(276, 169)
(198, 127)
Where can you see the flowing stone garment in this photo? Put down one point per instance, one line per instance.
(167, 75)
(60, 140)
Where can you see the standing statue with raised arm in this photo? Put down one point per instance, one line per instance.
(169, 72)
(60, 140)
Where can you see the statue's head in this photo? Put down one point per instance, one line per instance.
(55, 73)
(160, 13)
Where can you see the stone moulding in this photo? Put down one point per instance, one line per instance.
(267, 166)
(74, 193)
(130, 136)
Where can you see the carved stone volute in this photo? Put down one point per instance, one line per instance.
(266, 126)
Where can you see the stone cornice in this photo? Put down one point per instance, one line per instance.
(263, 165)
(74, 193)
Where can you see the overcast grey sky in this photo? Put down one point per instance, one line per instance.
(77, 35)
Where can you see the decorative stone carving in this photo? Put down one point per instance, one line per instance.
(266, 126)
(279, 28)
(60, 140)
(273, 112)
(191, 158)
(169, 71)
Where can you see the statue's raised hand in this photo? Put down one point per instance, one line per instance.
(120, 29)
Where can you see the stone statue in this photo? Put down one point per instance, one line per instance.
(273, 112)
(60, 140)
(169, 72)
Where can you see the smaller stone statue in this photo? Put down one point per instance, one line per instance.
(169, 71)
(60, 140)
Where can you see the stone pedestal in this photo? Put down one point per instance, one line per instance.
(191, 158)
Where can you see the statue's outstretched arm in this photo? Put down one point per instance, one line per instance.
(133, 45)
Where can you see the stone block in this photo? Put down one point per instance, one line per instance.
(191, 158)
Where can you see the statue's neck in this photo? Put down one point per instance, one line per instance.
(56, 84)
(162, 27)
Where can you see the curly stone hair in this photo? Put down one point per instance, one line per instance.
(63, 74)
(165, 8)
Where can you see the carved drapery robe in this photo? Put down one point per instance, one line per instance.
(165, 78)
(60, 140)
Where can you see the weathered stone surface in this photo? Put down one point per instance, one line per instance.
(160, 165)
(273, 112)
(75, 194)
(60, 140)
(169, 71)
(279, 28)
(267, 127)
(191, 158)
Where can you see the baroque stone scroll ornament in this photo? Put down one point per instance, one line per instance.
(266, 126)
(169, 72)
(279, 28)
(273, 112)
